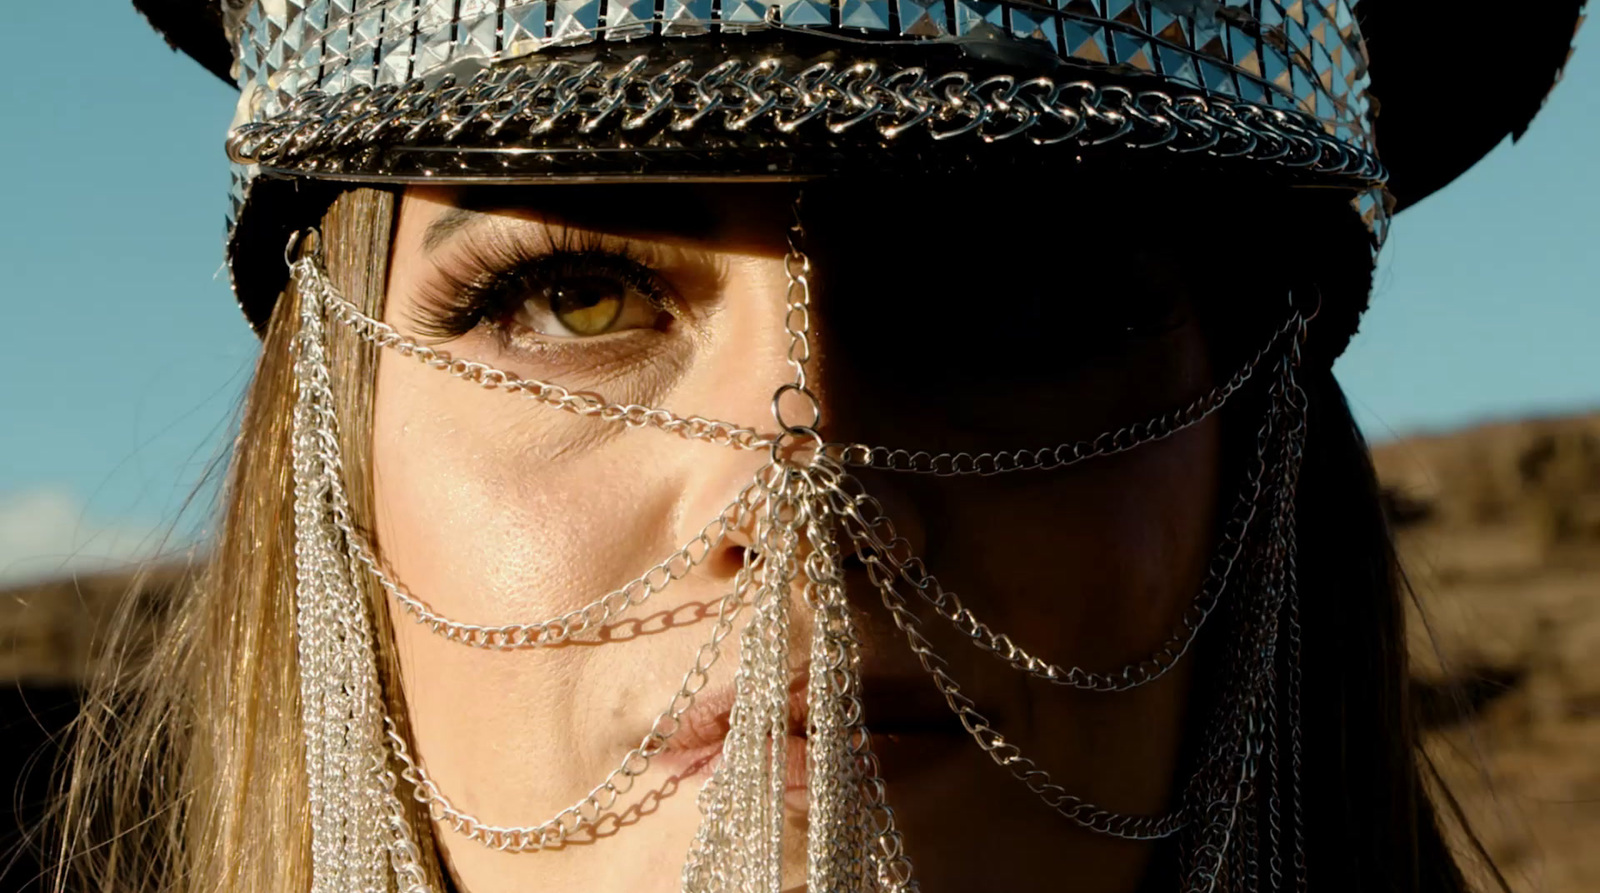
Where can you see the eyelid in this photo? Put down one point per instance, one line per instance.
(531, 291)
(461, 294)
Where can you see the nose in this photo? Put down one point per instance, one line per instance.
(749, 375)
(716, 513)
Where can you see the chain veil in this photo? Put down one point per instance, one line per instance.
(1238, 816)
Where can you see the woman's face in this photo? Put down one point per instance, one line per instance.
(937, 325)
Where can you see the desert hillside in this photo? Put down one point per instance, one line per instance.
(1499, 528)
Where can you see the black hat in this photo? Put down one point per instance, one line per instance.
(1309, 92)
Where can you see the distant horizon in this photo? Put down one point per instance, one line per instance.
(1379, 435)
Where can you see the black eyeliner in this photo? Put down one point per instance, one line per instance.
(507, 271)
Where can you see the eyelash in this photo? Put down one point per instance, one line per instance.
(505, 267)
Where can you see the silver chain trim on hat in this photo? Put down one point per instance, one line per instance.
(764, 101)
(799, 504)
(1305, 56)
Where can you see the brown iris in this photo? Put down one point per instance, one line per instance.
(588, 306)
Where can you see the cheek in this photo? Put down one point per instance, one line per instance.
(1092, 567)
(494, 526)
(1098, 561)
(503, 524)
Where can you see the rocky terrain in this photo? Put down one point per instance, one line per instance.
(1499, 528)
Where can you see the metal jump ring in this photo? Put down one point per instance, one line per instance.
(298, 238)
(777, 410)
(1315, 312)
(790, 435)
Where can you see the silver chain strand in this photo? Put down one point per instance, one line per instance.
(950, 464)
(588, 812)
(879, 539)
(1048, 458)
(837, 736)
(797, 266)
(760, 100)
(603, 797)
(561, 629)
(1085, 815)
(1226, 848)
(739, 844)
(1052, 458)
(1297, 397)
(878, 544)
(356, 821)
(576, 402)
(851, 843)
(798, 504)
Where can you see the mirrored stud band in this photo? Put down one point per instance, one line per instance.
(290, 47)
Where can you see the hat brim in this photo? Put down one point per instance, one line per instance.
(193, 27)
(1443, 104)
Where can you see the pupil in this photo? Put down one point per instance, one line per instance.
(587, 308)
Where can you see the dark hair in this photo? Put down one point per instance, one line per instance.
(1371, 824)
(1370, 817)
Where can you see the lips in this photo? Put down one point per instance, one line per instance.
(901, 707)
(702, 728)
(894, 707)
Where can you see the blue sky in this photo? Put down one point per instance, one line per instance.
(126, 356)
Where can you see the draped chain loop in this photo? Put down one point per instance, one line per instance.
(1238, 815)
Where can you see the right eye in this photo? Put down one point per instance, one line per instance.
(559, 296)
(584, 304)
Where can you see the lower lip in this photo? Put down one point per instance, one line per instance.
(904, 755)
(701, 760)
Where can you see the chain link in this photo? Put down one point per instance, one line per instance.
(837, 734)
(1051, 458)
(576, 402)
(587, 812)
(767, 105)
(799, 503)
(881, 542)
(560, 629)
(1080, 812)
(797, 325)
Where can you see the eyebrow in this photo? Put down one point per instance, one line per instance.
(447, 224)
(671, 211)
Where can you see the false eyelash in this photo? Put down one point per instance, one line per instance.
(490, 277)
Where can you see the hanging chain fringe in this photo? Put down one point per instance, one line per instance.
(357, 823)
(1240, 815)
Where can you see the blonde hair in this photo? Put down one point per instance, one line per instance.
(187, 776)
(186, 771)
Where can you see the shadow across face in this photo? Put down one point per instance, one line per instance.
(1018, 316)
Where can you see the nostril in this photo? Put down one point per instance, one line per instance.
(730, 559)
